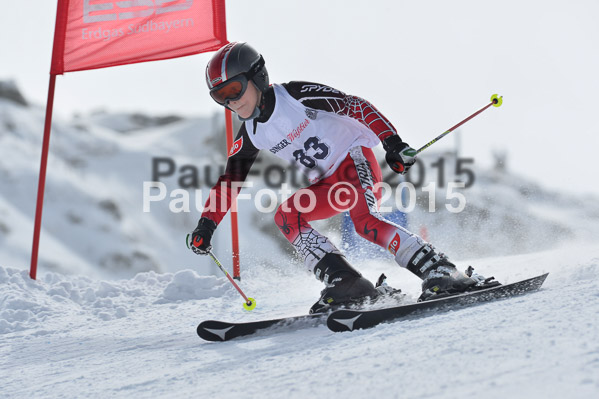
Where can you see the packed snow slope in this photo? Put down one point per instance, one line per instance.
(77, 337)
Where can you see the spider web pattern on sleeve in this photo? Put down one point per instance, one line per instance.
(368, 115)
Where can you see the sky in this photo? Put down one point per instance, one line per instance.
(425, 64)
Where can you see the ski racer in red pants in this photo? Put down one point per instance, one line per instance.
(328, 135)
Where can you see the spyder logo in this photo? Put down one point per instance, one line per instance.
(315, 87)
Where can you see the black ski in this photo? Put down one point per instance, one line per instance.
(349, 320)
(212, 330)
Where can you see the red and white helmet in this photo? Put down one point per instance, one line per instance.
(231, 68)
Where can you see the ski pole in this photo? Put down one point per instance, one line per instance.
(496, 101)
(250, 303)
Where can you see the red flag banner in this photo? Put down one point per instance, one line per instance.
(94, 34)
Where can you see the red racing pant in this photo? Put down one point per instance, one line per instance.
(352, 187)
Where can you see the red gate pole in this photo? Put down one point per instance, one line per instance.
(42, 178)
(234, 224)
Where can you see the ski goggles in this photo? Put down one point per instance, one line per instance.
(234, 88)
(231, 90)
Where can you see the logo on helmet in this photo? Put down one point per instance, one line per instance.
(214, 81)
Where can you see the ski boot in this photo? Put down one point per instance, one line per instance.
(344, 284)
(440, 277)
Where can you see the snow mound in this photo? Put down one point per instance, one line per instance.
(54, 299)
(187, 285)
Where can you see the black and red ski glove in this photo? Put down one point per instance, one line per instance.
(201, 236)
(400, 156)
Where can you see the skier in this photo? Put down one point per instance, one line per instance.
(328, 135)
